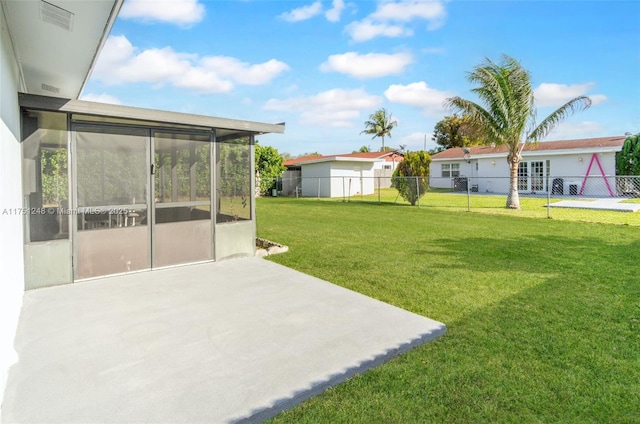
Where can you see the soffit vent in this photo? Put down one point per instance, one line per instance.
(56, 15)
(50, 88)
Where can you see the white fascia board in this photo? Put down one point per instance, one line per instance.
(142, 114)
(105, 34)
(588, 150)
(337, 159)
(527, 153)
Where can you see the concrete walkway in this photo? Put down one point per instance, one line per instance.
(608, 204)
(238, 340)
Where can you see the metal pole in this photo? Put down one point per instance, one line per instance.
(378, 189)
(418, 191)
(468, 194)
(318, 188)
(549, 188)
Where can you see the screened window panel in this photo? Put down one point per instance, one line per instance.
(112, 167)
(45, 176)
(233, 180)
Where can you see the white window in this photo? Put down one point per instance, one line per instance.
(386, 166)
(450, 170)
(455, 170)
(446, 170)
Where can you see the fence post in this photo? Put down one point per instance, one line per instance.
(318, 194)
(468, 194)
(418, 190)
(344, 194)
(549, 188)
(378, 189)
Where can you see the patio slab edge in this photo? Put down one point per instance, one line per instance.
(318, 388)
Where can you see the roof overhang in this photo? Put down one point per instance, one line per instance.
(338, 159)
(56, 42)
(83, 107)
(536, 153)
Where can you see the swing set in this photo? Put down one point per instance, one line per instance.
(594, 158)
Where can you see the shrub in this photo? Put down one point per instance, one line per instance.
(411, 177)
(628, 159)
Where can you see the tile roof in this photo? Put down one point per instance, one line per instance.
(365, 156)
(588, 143)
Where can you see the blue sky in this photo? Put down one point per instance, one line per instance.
(324, 66)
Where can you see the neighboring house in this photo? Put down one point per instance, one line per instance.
(557, 165)
(339, 175)
(92, 189)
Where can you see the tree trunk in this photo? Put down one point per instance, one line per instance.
(513, 198)
(382, 144)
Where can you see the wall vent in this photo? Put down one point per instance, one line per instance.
(56, 15)
(50, 88)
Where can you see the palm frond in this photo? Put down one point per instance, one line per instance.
(543, 129)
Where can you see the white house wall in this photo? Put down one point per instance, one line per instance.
(11, 256)
(337, 179)
(492, 175)
(315, 179)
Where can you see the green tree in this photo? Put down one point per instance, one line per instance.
(411, 177)
(363, 149)
(55, 176)
(628, 159)
(380, 125)
(455, 131)
(508, 117)
(269, 166)
(304, 155)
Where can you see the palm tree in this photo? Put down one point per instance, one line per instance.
(380, 125)
(510, 114)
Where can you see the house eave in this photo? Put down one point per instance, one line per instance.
(339, 159)
(534, 153)
(142, 114)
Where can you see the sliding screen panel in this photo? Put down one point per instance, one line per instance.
(112, 167)
(182, 232)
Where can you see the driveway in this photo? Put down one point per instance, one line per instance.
(232, 341)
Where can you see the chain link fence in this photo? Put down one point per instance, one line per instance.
(545, 194)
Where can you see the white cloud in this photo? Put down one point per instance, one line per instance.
(370, 65)
(179, 12)
(571, 130)
(368, 30)
(303, 13)
(333, 108)
(243, 72)
(120, 62)
(391, 17)
(555, 95)
(101, 98)
(405, 11)
(333, 14)
(419, 94)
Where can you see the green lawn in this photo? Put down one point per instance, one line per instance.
(531, 207)
(543, 316)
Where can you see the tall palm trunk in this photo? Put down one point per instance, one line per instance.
(513, 198)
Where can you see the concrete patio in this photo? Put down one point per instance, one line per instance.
(232, 341)
(606, 204)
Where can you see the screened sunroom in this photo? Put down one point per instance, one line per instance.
(111, 189)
